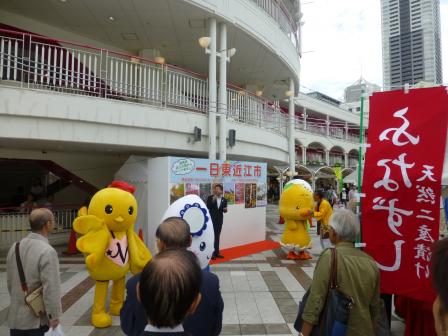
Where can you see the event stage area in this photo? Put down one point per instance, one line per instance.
(260, 291)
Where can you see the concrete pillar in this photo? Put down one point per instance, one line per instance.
(305, 116)
(345, 160)
(212, 91)
(327, 157)
(346, 130)
(222, 93)
(291, 138)
(304, 155)
(328, 125)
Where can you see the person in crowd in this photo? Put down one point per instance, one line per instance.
(217, 206)
(344, 196)
(37, 189)
(331, 196)
(29, 204)
(442, 221)
(352, 193)
(322, 213)
(169, 291)
(271, 192)
(358, 277)
(174, 232)
(439, 266)
(352, 201)
(19, 197)
(47, 202)
(41, 268)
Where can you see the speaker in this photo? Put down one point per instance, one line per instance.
(197, 134)
(232, 137)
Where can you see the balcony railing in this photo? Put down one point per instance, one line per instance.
(335, 131)
(35, 62)
(14, 224)
(336, 160)
(278, 11)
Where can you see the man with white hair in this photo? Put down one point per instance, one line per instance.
(40, 264)
(358, 276)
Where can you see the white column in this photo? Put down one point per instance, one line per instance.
(305, 116)
(328, 125)
(212, 91)
(291, 138)
(346, 160)
(304, 155)
(222, 92)
(327, 157)
(346, 130)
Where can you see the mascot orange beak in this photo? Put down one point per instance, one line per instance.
(119, 219)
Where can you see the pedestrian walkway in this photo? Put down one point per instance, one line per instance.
(261, 291)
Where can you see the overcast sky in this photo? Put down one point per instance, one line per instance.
(342, 40)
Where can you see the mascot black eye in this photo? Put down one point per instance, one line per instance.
(108, 209)
(202, 246)
(131, 210)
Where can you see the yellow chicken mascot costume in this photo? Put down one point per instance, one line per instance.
(296, 207)
(110, 245)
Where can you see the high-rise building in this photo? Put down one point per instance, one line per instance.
(411, 42)
(352, 95)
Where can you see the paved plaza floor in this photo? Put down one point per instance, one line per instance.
(261, 292)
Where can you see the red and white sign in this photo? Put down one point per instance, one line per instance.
(402, 182)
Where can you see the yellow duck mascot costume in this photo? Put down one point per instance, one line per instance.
(110, 245)
(296, 207)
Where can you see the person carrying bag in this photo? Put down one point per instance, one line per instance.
(33, 279)
(334, 318)
(344, 297)
(34, 299)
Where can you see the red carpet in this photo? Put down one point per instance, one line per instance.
(244, 250)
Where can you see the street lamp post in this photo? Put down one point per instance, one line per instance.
(222, 96)
(209, 44)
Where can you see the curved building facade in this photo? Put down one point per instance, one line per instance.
(86, 84)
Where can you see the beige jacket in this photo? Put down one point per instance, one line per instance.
(41, 267)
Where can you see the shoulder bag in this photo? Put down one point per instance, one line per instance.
(34, 299)
(333, 320)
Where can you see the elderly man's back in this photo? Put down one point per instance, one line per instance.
(41, 268)
(358, 277)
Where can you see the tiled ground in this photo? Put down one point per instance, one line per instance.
(260, 292)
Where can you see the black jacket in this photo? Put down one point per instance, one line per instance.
(207, 320)
(216, 213)
(154, 333)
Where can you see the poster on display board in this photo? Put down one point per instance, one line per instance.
(243, 182)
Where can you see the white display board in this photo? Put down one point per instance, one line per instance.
(160, 181)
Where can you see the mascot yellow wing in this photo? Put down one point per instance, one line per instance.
(139, 254)
(95, 238)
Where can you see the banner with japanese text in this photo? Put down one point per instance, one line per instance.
(243, 182)
(402, 181)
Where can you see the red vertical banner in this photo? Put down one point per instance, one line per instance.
(402, 183)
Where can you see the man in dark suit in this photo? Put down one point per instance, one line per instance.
(207, 320)
(169, 291)
(217, 206)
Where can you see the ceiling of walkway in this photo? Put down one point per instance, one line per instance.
(171, 26)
